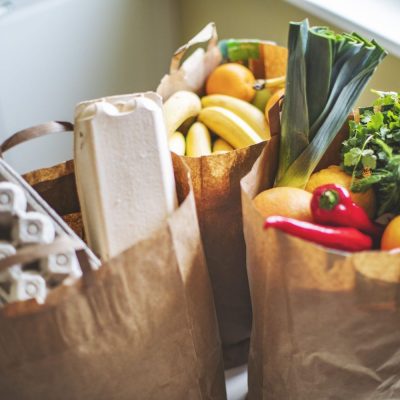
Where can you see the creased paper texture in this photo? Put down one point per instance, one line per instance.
(325, 323)
(143, 327)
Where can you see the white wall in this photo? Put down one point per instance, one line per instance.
(269, 19)
(55, 53)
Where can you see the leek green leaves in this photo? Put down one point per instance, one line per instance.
(326, 74)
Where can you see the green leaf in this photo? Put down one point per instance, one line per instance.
(382, 156)
(353, 60)
(387, 149)
(376, 121)
(394, 125)
(319, 42)
(368, 159)
(366, 116)
(384, 130)
(385, 98)
(295, 125)
(392, 116)
(352, 157)
(362, 185)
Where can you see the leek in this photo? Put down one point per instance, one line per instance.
(326, 74)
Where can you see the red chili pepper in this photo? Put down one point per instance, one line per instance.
(340, 238)
(332, 205)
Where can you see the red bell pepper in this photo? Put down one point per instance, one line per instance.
(340, 238)
(331, 204)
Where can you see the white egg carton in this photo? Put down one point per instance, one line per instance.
(26, 220)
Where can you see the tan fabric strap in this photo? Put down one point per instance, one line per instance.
(34, 132)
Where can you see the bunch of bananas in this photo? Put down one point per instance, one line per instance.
(232, 115)
(233, 122)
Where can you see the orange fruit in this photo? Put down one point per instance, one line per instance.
(334, 174)
(233, 80)
(391, 235)
(285, 202)
(272, 100)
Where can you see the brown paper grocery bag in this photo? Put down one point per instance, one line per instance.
(143, 326)
(216, 187)
(325, 323)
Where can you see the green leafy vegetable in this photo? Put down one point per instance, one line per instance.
(326, 74)
(371, 154)
(352, 157)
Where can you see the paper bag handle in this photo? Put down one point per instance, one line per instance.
(207, 35)
(35, 132)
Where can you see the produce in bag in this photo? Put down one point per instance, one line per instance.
(340, 238)
(215, 79)
(303, 345)
(108, 335)
(371, 153)
(333, 205)
(326, 74)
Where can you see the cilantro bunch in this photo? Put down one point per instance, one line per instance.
(371, 154)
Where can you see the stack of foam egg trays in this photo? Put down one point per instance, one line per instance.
(25, 219)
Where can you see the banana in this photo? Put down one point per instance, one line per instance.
(177, 143)
(179, 107)
(278, 82)
(248, 112)
(198, 141)
(221, 146)
(229, 126)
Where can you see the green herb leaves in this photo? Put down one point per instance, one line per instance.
(371, 154)
(376, 121)
(326, 74)
(367, 158)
